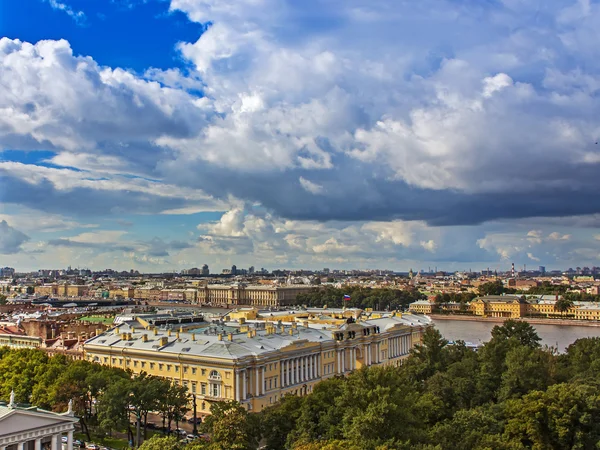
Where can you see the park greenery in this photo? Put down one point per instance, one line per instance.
(510, 394)
(360, 297)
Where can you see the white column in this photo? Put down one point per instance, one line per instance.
(238, 387)
(244, 385)
(20, 445)
(263, 386)
(38, 444)
(70, 440)
(55, 438)
(285, 372)
(344, 360)
(293, 371)
(305, 363)
(339, 362)
(257, 381)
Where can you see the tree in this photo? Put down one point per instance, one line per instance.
(279, 421)
(563, 305)
(430, 351)
(229, 427)
(113, 406)
(2, 299)
(491, 288)
(162, 443)
(520, 331)
(527, 369)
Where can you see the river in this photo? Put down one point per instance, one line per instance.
(559, 336)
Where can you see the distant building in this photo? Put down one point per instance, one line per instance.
(240, 294)
(205, 270)
(7, 272)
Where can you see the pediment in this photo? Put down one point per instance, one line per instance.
(23, 421)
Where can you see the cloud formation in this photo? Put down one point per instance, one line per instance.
(377, 130)
(11, 239)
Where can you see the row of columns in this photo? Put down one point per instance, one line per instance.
(346, 364)
(55, 442)
(300, 369)
(400, 345)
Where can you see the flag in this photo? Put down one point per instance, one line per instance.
(346, 297)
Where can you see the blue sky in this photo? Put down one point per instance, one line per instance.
(165, 134)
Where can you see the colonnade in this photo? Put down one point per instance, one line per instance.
(300, 369)
(399, 346)
(55, 441)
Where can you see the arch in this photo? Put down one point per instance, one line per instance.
(214, 375)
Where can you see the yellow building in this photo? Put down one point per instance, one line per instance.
(499, 306)
(241, 294)
(422, 307)
(255, 363)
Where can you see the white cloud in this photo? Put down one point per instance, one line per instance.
(311, 187)
(78, 16)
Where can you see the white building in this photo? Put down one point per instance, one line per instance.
(30, 428)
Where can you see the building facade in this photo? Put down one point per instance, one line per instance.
(254, 362)
(240, 294)
(30, 428)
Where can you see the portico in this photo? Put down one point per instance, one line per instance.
(30, 428)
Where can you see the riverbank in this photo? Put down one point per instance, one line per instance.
(531, 320)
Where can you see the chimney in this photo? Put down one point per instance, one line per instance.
(177, 335)
(163, 341)
(155, 330)
(282, 329)
(194, 337)
(129, 337)
(123, 336)
(305, 324)
(181, 329)
(169, 333)
(291, 331)
(242, 320)
(220, 337)
(230, 336)
(116, 331)
(253, 333)
(250, 334)
(294, 325)
(144, 337)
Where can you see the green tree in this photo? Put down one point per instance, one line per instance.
(527, 369)
(563, 305)
(113, 406)
(230, 427)
(564, 417)
(491, 288)
(520, 331)
(162, 443)
(279, 421)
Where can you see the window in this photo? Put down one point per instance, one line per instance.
(143, 364)
(160, 366)
(168, 367)
(105, 359)
(193, 371)
(203, 389)
(176, 368)
(114, 360)
(214, 375)
(215, 390)
(203, 371)
(152, 365)
(193, 388)
(185, 369)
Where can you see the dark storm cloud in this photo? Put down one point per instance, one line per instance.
(11, 239)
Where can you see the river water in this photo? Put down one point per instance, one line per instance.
(559, 336)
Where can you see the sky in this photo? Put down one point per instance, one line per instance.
(159, 135)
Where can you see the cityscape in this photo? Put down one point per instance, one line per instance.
(299, 225)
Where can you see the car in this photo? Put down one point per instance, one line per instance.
(192, 437)
(93, 447)
(64, 439)
(181, 432)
